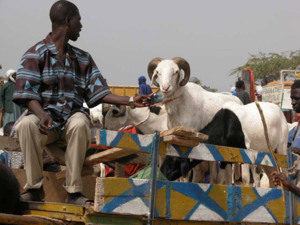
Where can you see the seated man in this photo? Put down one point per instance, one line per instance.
(53, 81)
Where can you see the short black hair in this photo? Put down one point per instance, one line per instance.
(61, 10)
(296, 84)
(239, 84)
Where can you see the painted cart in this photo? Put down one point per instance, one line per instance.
(140, 201)
(186, 202)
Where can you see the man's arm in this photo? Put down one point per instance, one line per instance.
(45, 119)
(139, 101)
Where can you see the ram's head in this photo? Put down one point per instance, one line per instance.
(169, 73)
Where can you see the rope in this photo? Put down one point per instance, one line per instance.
(269, 144)
(139, 123)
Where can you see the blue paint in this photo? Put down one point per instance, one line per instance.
(215, 152)
(103, 137)
(261, 201)
(245, 156)
(136, 191)
(234, 200)
(180, 152)
(195, 192)
(260, 157)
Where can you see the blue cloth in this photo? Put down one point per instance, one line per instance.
(3, 157)
(296, 142)
(234, 92)
(144, 89)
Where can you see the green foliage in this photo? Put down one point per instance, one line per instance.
(270, 64)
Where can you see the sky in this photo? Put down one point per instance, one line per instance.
(123, 36)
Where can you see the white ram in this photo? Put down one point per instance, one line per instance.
(188, 104)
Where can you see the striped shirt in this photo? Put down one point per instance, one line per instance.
(61, 88)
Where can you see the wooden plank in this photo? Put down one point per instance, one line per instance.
(9, 144)
(183, 141)
(143, 143)
(108, 155)
(192, 202)
(181, 131)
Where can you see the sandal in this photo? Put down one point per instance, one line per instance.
(79, 199)
(33, 195)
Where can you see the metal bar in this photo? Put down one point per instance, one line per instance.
(154, 165)
(291, 195)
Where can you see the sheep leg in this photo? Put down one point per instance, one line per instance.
(255, 175)
(225, 175)
(245, 174)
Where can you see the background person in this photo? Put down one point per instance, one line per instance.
(241, 93)
(10, 110)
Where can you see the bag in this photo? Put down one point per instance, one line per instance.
(146, 174)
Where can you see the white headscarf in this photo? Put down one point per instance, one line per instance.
(9, 74)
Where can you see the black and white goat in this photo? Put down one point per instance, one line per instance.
(241, 126)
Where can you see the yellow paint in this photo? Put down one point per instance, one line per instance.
(65, 208)
(162, 148)
(230, 154)
(277, 208)
(115, 186)
(219, 194)
(248, 196)
(183, 149)
(127, 142)
(160, 202)
(57, 215)
(180, 205)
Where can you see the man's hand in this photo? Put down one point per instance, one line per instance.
(277, 177)
(142, 100)
(45, 124)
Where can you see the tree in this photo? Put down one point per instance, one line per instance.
(268, 65)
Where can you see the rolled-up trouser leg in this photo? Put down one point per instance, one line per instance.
(78, 137)
(32, 143)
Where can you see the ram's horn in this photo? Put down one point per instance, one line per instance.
(151, 67)
(121, 111)
(184, 65)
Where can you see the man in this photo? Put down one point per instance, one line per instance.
(294, 141)
(53, 80)
(144, 88)
(11, 112)
(241, 93)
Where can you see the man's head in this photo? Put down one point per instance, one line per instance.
(65, 14)
(240, 84)
(295, 96)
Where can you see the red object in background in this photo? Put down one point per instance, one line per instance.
(296, 117)
(131, 168)
(252, 84)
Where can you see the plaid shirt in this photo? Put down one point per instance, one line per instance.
(61, 88)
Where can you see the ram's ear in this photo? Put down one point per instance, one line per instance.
(183, 65)
(154, 78)
(123, 118)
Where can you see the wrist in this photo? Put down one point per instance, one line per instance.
(131, 102)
